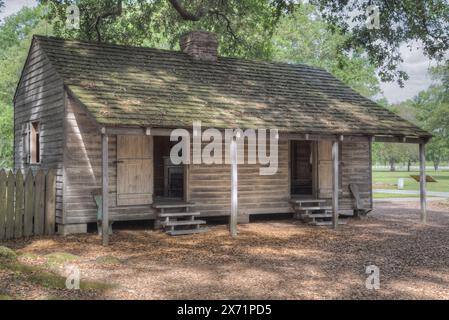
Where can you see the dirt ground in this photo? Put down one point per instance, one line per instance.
(276, 259)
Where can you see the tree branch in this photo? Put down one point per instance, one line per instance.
(185, 14)
(117, 11)
(228, 23)
(201, 13)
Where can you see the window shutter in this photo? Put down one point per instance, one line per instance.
(26, 136)
(325, 169)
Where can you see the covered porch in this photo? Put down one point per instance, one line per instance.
(332, 196)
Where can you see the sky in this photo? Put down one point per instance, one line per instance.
(12, 6)
(415, 63)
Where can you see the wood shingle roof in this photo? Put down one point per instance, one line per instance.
(129, 86)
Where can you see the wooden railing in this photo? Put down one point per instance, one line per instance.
(27, 203)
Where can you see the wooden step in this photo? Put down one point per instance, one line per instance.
(313, 208)
(317, 215)
(178, 214)
(173, 205)
(299, 201)
(183, 223)
(184, 232)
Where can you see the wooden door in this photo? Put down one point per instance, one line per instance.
(324, 169)
(134, 170)
(302, 167)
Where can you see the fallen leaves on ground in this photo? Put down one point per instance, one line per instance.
(278, 259)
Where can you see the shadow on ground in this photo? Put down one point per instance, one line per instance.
(275, 259)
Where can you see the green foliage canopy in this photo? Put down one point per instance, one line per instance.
(412, 22)
(304, 37)
(15, 37)
(394, 153)
(430, 110)
(432, 107)
(246, 26)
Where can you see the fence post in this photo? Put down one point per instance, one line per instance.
(2, 203)
(39, 203)
(20, 205)
(29, 205)
(50, 202)
(10, 195)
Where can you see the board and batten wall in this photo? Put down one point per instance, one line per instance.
(355, 168)
(209, 186)
(82, 171)
(78, 159)
(40, 97)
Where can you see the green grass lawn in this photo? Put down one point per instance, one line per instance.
(377, 195)
(389, 180)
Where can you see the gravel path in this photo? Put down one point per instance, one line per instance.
(281, 259)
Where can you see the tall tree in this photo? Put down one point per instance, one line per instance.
(432, 108)
(425, 23)
(389, 153)
(15, 38)
(243, 26)
(6, 134)
(304, 37)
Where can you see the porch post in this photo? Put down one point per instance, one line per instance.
(234, 190)
(422, 181)
(105, 188)
(335, 184)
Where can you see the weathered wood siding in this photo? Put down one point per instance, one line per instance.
(356, 168)
(82, 167)
(210, 187)
(40, 97)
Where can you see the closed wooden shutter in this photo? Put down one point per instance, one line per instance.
(325, 169)
(134, 170)
(26, 136)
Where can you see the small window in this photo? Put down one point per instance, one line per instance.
(35, 146)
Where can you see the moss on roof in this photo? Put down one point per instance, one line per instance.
(130, 86)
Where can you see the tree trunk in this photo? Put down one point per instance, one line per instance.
(436, 165)
(392, 167)
(409, 164)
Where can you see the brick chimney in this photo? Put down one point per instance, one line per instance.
(200, 45)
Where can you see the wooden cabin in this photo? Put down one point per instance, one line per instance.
(102, 115)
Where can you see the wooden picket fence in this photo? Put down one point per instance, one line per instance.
(27, 204)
